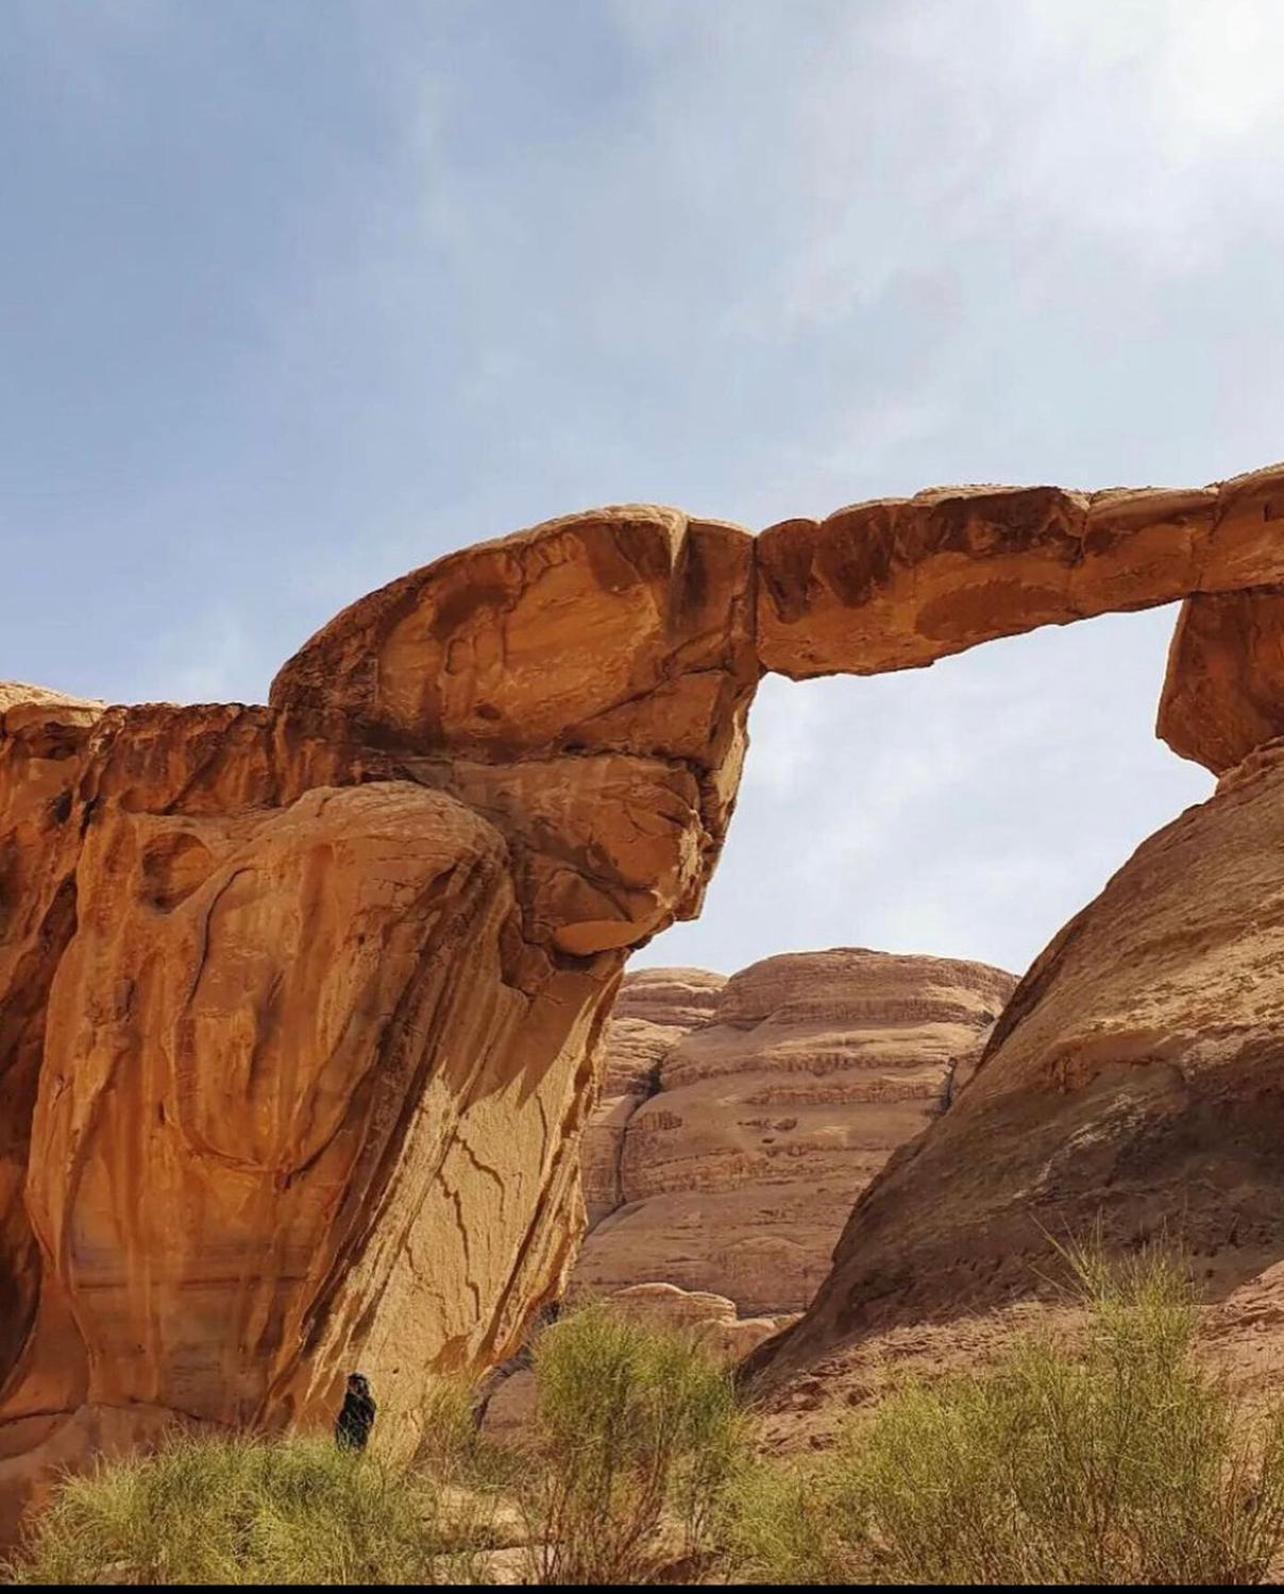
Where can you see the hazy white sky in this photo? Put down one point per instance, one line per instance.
(295, 296)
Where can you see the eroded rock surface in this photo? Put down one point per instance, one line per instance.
(1134, 1081)
(738, 1169)
(306, 1098)
(626, 630)
(1224, 692)
(654, 1010)
(301, 1003)
(901, 582)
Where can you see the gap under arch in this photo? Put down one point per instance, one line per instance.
(966, 810)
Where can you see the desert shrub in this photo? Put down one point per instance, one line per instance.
(792, 1522)
(240, 1511)
(453, 1449)
(635, 1435)
(1115, 1459)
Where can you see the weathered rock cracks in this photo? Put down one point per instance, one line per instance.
(300, 1004)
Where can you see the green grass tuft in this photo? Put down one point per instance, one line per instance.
(636, 1435)
(239, 1511)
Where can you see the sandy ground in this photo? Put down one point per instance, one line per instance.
(1241, 1336)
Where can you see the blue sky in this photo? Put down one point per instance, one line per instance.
(297, 295)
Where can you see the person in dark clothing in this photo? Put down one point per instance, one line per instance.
(352, 1430)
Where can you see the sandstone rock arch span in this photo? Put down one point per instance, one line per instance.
(299, 1004)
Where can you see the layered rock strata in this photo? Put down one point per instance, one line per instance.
(654, 1010)
(767, 1120)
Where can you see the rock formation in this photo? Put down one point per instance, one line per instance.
(654, 1010)
(299, 1005)
(1224, 692)
(1134, 1082)
(902, 582)
(763, 1123)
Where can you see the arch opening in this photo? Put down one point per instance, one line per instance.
(968, 810)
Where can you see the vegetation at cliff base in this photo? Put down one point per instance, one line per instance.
(1106, 1455)
(636, 1436)
(239, 1511)
(1115, 1459)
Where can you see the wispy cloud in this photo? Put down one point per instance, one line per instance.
(304, 296)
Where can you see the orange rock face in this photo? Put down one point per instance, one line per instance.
(1224, 693)
(1134, 1082)
(898, 583)
(281, 1125)
(763, 1122)
(42, 737)
(301, 1004)
(625, 630)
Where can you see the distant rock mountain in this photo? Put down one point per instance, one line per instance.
(741, 1118)
(656, 1008)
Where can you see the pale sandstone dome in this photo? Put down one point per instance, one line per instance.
(655, 1008)
(1134, 1081)
(300, 1007)
(678, 999)
(736, 1174)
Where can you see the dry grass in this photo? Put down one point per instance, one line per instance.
(245, 1512)
(1118, 1460)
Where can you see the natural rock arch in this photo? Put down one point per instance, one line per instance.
(299, 1004)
